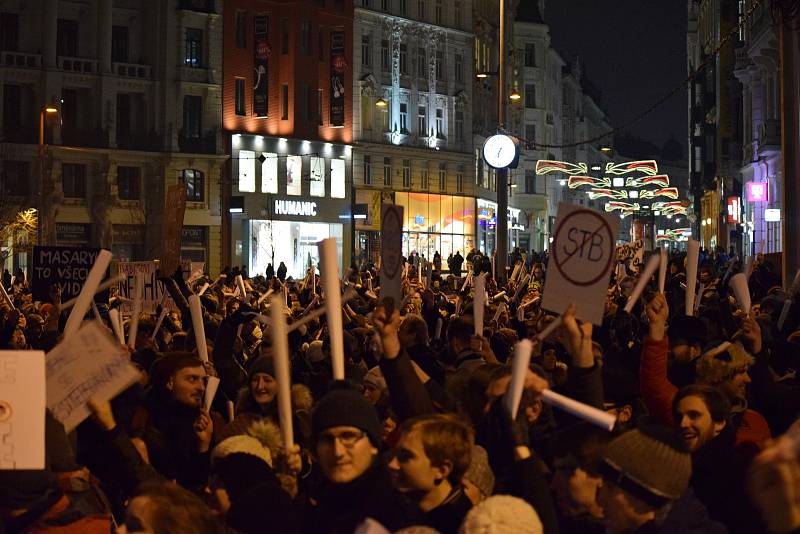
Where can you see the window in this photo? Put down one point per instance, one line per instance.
(439, 65)
(385, 5)
(423, 179)
(530, 132)
(530, 181)
(442, 176)
(337, 178)
(440, 123)
(294, 175)
(459, 125)
(386, 56)
(67, 38)
(387, 171)
(460, 180)
(530, 55)
(304, 102)
(385, 116)
(403, 117)
(317, 177)
(366, 46)
(119, 44)
(406, 173)
(403, 7)
(438, 11)
(422, 62)
(241, 29)
(305, 37)
(12, 107)
(9, 32)
(16, 178)
(530, 96)
(459, 64)
(73, 180)
(285, 102)
(194, 48)
(195, 185)
(124, 115)
(421, 9)
(422, 120)
(457, 15)
(366, 112)
(367, 170)
(129, 183)
(319, 107)
(239, 101)
(403, 59)
(284, 36)
(269, 173)
(247, 171)
(192, 116)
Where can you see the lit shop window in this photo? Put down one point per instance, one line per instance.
(337, 178)
(317, 177)
(247, 171)
(269, 173)
(294, 171)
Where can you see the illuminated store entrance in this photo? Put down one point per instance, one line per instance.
(437, 223)
(292, 243)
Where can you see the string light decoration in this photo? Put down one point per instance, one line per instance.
(577, 181)
(546, 166)
(662, 180)
(674, 234)
(594, 194)
(668, 192)
(649, 167)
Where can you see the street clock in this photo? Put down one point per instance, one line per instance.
(501, 151)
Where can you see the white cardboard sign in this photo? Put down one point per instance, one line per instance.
(582, 258)
(89, 364)
(153, 289)
(22, 406)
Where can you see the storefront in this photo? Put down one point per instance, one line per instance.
(72, 234)
(129, 242)
(194, 243)
(487, 224)
(437, 223)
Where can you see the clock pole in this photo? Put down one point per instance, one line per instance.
(501, 227)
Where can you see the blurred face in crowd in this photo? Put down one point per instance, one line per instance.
(705, 276)
(188, 386)
(344, 453)
(684, 352)
(621, 512)
(739, 382)
(696, 425)
(263, 387)
(411, 469)
(575, 490)
(371, 393)
(673, 269)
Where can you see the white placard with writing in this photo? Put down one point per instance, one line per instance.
(582, 258)
(90, 364)
(22, 407)
(153, 288)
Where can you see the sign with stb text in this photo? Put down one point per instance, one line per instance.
(66, 267)
(582, 258)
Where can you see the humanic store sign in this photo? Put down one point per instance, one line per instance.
(295, 207)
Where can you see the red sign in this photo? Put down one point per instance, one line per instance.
(734, 210)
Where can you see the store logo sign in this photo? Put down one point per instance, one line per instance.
(295, 207)
(757, 192)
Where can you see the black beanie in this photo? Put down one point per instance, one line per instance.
(262, 364)
(346, 407)
(240, 471)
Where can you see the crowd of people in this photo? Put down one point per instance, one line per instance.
(419, 436)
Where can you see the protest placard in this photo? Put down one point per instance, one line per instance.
(171, 229)
(89, 364)
(153, 289)
(67, 267)
(391, 252)
(582, 258)
(22, 406)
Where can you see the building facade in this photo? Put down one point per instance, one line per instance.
(413, 80)
(128, 97)
(288, 120)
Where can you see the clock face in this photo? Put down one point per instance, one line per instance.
(499, 151)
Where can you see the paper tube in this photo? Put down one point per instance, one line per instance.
(439, 325)
(240, 285)
(479, 304)
(6, 297)
(549, 329)
(698, 298)
(519, 370)
(280, 351)
(620, 271)
(333, 303)
(211, 391)
(521, 313)
(787, 304)
(86, 295)
(498, 312)
(662, 271)
(692, 255)
(138, 293)
(313, 278)
(197, 325)
(795, 284)
(203, 289)
(265, 296)
(114, 319)
(578, 409)
(499, 295)
(739, 285)
(523, 286)
(644, 277)
(160, 320)
(231, 411)
(516, 270)
(102, 287)
(748, 266)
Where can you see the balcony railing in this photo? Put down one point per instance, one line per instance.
(20, 59)
(205, 6)
(77, 64)
(86, 137)
(147, 141)
(21, 134)
(205, 144)
(131, 70)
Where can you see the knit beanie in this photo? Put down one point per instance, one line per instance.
(241, 462)
(722, 362)
(502, 514)
(479, 472)
(652, 460)
(346, 407)
(242, 444)
(262, 364)
(374, 378)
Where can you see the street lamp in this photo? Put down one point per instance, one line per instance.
(42, 115)
(380, 103)
(514, 95)
(46, 110)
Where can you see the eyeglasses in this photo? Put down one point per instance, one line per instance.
(348, 439)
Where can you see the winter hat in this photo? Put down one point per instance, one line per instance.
(722, 362)
(650, 462)
(375, 379)
(346, 407)
(262, 364)
(314, 352)
(502, 514)
(479, 472)
(241, 444)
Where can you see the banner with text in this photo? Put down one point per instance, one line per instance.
(67, 267)
(171, 232)
(338, 69)
(261, 52)
(153, 289)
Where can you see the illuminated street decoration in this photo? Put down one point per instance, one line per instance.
(674, 234)
(546, 166)
(578, 181)
(626, 208)
(649, 167)
(594, 194)
(668, 192)
(662, 180)
(670, 208)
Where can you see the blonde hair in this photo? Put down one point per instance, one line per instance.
(444, 438)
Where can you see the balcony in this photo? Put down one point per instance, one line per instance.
(21, 60)
(146, 141)
(77, 64)
(131, 70)
(204, 6)
(205, 144)
(198, 75)
(85, 137)
(769, 137)
(21, 134)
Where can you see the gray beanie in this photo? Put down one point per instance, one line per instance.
(502, 514)
(479, 472)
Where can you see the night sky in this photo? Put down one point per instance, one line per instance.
(634, 51)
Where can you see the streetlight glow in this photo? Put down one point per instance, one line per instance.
(51, 109)
(381, 103)
(514, 95)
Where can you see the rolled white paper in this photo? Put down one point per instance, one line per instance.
(114, 319)
(500, 309)
(521, 313)
(86, 295)
(662, 272)
(620, 271)
(739, 285)
(647, 273)
(692, 255)
(203, 289)
(578, 409)
(439, 325)
(138, 294)
(761, 246)
(549, 329)
(795, 284)
(240, 286)
(160, 320)
(519, 370)
(102, 287)
(313, 278)
(479, 304)
(280, 351)
(787, 304)
(265, 296)
(523, 286)
(231, 412)
(515, 272)
(6, 297)
(197, 326)
(211, 391)
(748, 266)
(333, 303)
(499, 295)
(698, 298)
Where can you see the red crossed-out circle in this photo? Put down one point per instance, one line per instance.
(560, 261)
